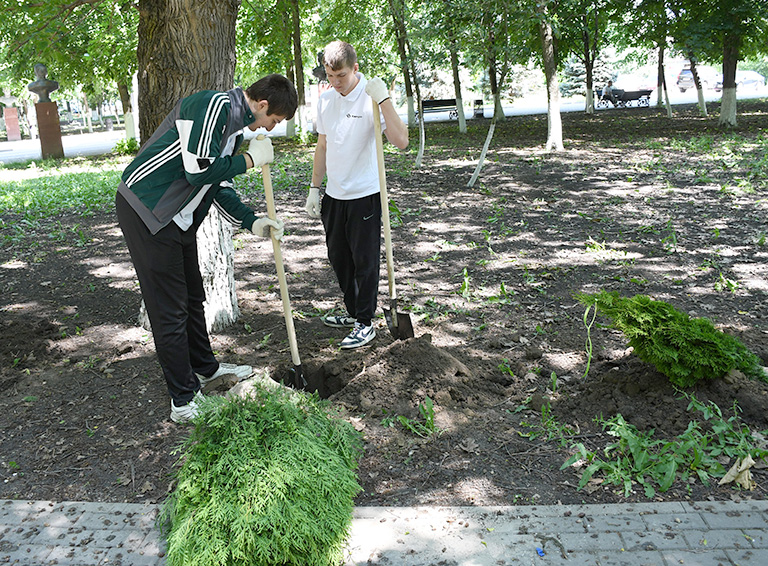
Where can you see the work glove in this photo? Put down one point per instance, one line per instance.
(377, 90)
(265, 227)
(313, 203)
(261, 151)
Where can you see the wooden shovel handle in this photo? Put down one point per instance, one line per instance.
(287, 312)
(384, 203)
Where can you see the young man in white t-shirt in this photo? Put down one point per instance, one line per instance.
(351, 207)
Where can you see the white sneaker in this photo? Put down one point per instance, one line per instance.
(186, 412)
(360, 336)
(241, 372)
(339, 321)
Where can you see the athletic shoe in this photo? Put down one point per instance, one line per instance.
(186, 412)
(339, 321)
(241, 372)
(360, 336)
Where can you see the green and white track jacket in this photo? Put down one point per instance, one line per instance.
(189, 162)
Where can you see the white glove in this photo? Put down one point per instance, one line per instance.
(261, 151)
(265, 227)
(377, 90)
(313, 203)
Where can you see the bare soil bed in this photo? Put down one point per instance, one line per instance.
(488, 276)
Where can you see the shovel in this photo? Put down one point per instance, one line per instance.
(298, 380)
(399, 323)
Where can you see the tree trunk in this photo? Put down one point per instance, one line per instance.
(87, 117)
(731, 48)
(186, 46)
(554, 120)
(298, 66)
(660, 82)
(699, 88)
(454, 51)
(589, 63)
(125, 97)
(400, 35)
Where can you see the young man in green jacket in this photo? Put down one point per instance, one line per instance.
(181, 171)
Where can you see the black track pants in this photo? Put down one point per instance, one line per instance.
(169, 275)
(353, 237)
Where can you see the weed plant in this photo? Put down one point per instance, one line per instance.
(637, 457)
(263, 481)
(684, 349)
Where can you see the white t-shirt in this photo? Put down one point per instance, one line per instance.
(350, 160)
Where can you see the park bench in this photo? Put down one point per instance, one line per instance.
(625, 98)
(448, 104)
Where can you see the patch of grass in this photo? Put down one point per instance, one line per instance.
(85, 187)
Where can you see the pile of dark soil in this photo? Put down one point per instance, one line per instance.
(488, 276)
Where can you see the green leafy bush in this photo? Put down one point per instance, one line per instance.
(129, 146)
(268, 480)
(684, 349)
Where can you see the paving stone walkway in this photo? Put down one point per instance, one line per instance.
(39, 533)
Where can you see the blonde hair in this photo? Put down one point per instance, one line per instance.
(339, 54)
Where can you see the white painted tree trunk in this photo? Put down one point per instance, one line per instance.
(702, 103)
(728, 108)
(216, 252)
(590, 106)
(411, 111)
(486, 145)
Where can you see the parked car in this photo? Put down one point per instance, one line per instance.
(744, 80)
(707, 76)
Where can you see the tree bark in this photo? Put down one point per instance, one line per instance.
(186, 46)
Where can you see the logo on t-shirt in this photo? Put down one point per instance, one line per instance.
(353, 116)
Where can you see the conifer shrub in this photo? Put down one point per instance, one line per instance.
(265, 480)
(684, 349)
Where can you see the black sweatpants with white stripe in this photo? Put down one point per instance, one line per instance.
(353, 238)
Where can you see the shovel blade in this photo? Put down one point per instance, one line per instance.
(404, 326)
(393, 329)
(297, 379)
(399, 324)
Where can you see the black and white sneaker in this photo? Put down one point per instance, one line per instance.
(360, 336)
(339, 321)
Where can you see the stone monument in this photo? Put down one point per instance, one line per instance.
(11, 117)
(48, 124)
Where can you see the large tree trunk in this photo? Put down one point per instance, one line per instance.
(554, 120)
(186, 46)
(731, 48)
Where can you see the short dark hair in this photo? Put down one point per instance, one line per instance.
(279, 93)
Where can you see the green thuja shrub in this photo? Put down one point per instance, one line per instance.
(684, 349)
(268, 480)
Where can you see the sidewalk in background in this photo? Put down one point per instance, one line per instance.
(97, 143)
